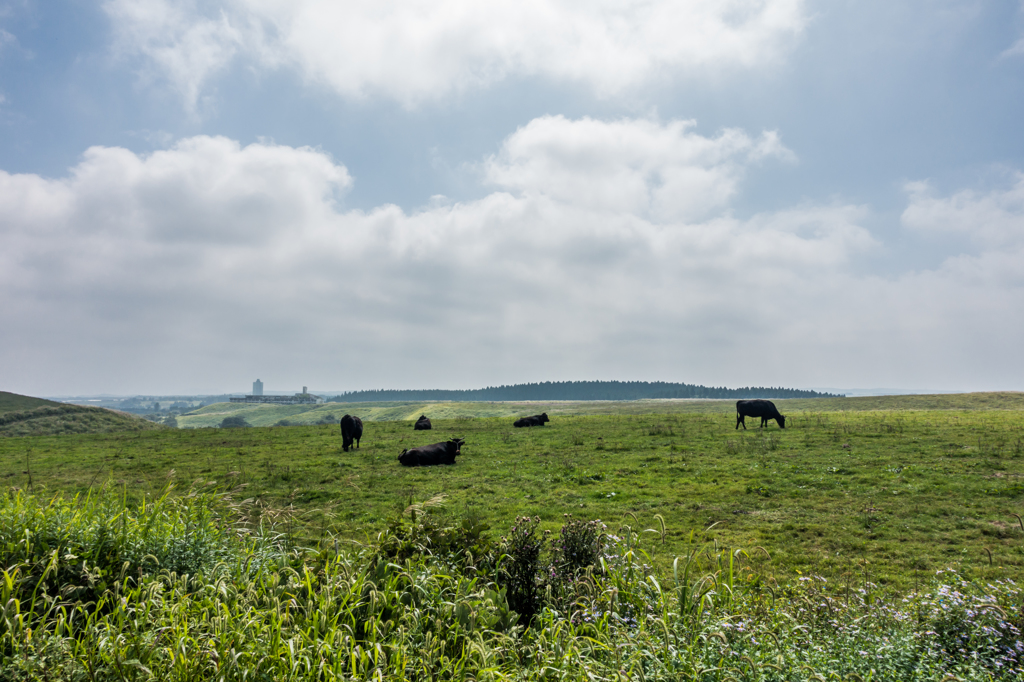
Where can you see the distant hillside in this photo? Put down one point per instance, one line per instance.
(329, 414)
(581, 390)
(54, 419)
(12, 402)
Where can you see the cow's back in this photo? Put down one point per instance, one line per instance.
(756, 408)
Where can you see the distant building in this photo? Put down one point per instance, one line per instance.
(304, 398)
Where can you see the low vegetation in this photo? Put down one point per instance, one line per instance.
(181, 589)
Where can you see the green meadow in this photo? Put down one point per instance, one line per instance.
(889, 495)
(872, 539)
(270, 415)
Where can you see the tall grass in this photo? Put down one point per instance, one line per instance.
(97, 588)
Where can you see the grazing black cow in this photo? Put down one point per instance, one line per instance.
(422, 424)
(429, 455)
(765, 409)
(351, 430)
(536, 420)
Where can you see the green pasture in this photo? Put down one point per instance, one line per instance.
(886, 495)
(269, 415)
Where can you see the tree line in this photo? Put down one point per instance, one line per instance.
(578, 390)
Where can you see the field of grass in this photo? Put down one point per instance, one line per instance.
(889, 496)
(269, 415)
(881, 541)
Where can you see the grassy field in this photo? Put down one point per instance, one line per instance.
(269, 415)
(887, 495)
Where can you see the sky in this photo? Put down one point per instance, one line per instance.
(451, 194)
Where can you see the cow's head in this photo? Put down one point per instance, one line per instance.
(544, 417)
(403, 458)
(455, 445)
(782, 421)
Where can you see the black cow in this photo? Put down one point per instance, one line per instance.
(429, 455)
(765, 409)
(351, 430)
(422, 424)
(536, 420)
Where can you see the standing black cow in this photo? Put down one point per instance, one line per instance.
(351, 430)
(422, 424)
(429, 455)
(536, 420)
(765, 409)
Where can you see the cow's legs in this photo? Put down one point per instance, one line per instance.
(741, 420)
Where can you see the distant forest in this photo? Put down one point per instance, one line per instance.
(579, 390)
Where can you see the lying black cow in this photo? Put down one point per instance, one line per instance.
(536, 420)
(429, 455)
(351, 430)
(422, 424)
(765, 409)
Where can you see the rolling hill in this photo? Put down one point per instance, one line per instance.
(27, 416)
(12, 402)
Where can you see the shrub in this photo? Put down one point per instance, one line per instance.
(235, 422)
(574, 551)
(576, 548)
(519, 566)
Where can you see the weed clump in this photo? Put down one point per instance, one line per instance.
(519, 567)
(576, 548)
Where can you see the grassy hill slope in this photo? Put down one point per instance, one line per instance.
(12, 402)
(269, 415)
(57, 419)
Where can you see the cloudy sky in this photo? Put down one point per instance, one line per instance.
(453, 194)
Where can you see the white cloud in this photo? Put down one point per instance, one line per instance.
(420, 50)
(229, 260)
(991, 219)
(640, 167)
(186, 45)
(1018, 47)
(6, 39)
